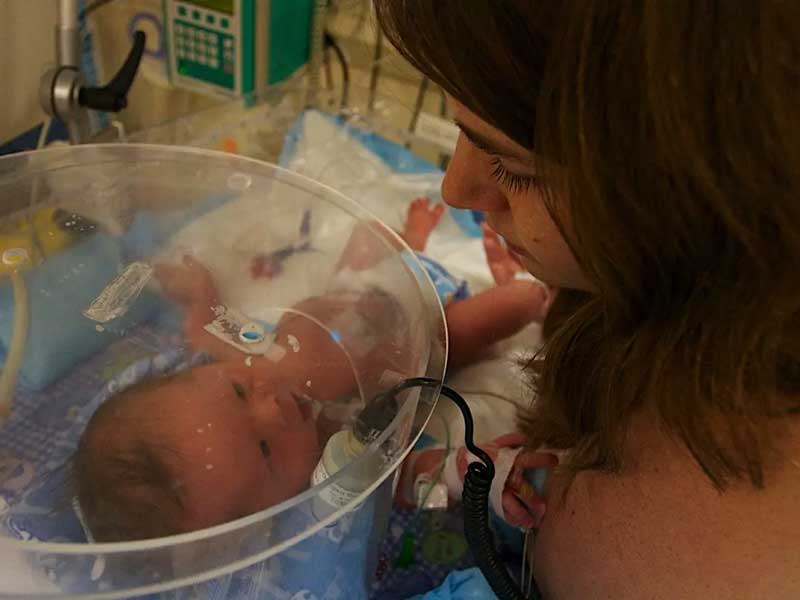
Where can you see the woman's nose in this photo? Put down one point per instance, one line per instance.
(468, 182)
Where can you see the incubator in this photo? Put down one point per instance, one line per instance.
(89, 314)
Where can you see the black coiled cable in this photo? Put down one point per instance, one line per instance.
(475, 499)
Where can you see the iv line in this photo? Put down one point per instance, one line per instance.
(16, 350)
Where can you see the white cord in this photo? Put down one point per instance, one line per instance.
(43, 133)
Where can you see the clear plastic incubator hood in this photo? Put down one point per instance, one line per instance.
(194, 347)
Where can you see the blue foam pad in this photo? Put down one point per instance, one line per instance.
(59, 336)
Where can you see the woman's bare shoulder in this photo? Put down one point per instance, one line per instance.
(661, 530)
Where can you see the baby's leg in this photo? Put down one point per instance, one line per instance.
(367, 246)
(491, 316)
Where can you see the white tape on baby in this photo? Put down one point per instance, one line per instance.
(455, 484)
(407, 482)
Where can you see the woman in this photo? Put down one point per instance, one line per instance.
(644, 157)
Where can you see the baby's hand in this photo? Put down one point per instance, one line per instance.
(502, 264)
(522, 505)
(187, 284)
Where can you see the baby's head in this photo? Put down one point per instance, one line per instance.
(192, 450)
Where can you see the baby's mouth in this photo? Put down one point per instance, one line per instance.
(302, 399)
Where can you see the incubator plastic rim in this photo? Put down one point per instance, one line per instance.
(353, 209)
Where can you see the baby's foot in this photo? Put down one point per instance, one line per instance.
(420, 222)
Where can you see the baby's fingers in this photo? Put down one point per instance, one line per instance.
(517, 514)
(422, 201)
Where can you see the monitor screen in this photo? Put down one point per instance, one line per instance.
(225, 6)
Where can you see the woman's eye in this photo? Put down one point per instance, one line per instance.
(264, 449)
(239, 390)
(512, 181)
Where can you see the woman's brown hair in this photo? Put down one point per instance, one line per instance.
(670, 139)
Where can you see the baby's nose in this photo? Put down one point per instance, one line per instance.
(241, 374)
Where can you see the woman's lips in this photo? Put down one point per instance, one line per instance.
(518, 251)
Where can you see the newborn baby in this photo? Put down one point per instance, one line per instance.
(237, 435)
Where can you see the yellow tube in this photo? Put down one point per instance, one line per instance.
(16, 351)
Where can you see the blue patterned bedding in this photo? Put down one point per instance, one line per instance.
(42, 435)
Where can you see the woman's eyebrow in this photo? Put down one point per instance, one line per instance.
(486, 145)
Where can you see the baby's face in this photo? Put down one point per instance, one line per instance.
(236, 445)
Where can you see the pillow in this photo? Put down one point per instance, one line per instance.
(59, 336)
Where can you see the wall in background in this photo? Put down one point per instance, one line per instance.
(27, 42)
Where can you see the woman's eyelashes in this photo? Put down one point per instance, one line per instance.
(513, 182)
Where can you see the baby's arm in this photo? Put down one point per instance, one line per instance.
(478, 322)
(370, 242)
(191, 286)
(312, 363)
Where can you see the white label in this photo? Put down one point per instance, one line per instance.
(437, 130)
(228, 327)
(334, 494)
(119, 295)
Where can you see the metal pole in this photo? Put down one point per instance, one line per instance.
(376, 71)
(68, 41)
(317, 46)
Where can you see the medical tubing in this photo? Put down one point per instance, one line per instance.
(16, 350)
(475, 499)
